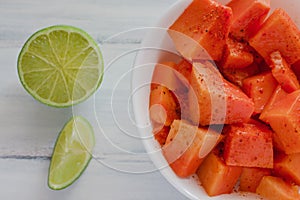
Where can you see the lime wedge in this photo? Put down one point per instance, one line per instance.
(72, 153)
(60, 65)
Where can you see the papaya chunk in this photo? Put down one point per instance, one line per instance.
(277, 95)
(296, 69)
(219, 101)
(283, 73)
(184, 67)
(247, 17)
(215, 176)
(249, 145)
(236, 55)
(200, 32)
(187, 145)
(160, 133)
(163, 106)
(284, 120)
(278, 27)
(237, 75)
(260, 88)
(287, 166)
(274, 188)
(165, 74)
(251, 177)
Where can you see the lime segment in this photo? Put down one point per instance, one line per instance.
(71, 154)
(60, 65)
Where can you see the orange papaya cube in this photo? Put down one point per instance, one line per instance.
(165, 74)
(236, 75)
(236, 55)
(278, 27)
(175, 77)
(284, 120)
(274, 188)
(200, 32)
(283, 73)
(183, 108)
(184, 67)
(187, 145)
(260, 88)
(163, 106)
(259, 60)
(213, 100)
(160, 133)
(247, 17)
(277, 95)
(251, 177)
(296, 69)
(216, 177)
(249, 145)
(287, 166)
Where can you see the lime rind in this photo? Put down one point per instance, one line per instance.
(92, 43)
(63, 144)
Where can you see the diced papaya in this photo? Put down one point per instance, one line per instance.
(296, 69)
(259, 60)
(187, 145)
(251, 177)
(238, 106)
(278, 27)
(236, 55)
(160, 133)
(236, 76)
(249, 145)
(247, 17)
(163, 106)
(274, 188)
(183, 102)
(277, 95)
(283, 73)
(284, 120)
(184, 67)
(164, 74)
(213, 100)
(287, 166)
(260, 88)
(201, 30)
(176, 78)
(215, 176)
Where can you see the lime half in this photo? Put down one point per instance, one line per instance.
(60, 65)
(72, 153)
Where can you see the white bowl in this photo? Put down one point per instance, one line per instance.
(157, 46)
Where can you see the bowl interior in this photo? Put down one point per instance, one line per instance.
(156, 47)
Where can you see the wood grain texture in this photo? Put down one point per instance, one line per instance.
(121, 169)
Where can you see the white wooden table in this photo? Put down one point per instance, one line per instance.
(121, 169)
